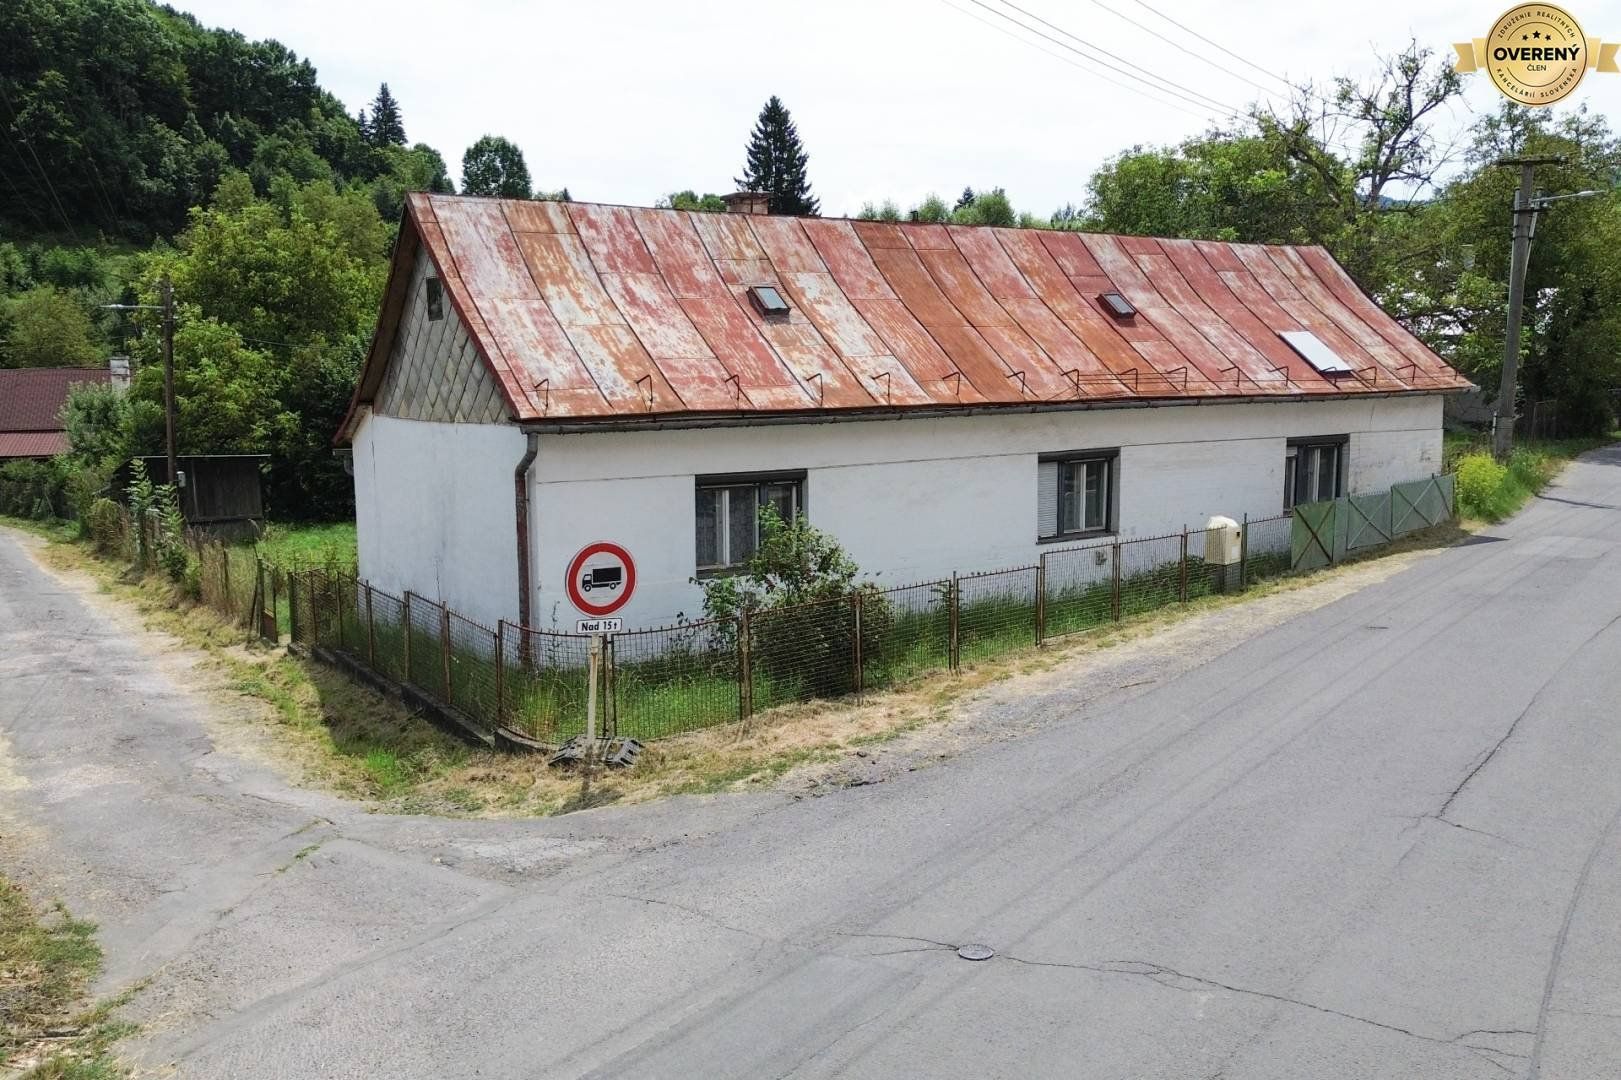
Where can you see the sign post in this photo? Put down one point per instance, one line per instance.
(591, 707)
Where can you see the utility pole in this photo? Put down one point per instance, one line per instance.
(165, 308)
(1525, 210)
(166, 296)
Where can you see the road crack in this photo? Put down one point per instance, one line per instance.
(1188, 983)
(1440, 815)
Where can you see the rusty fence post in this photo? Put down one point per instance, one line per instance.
(444, 650)
(953, 624)
(855, 643)
(371, 632)
(315, 607)
(1244, 554)
(405, 643)
(1182, 590)
(745, 669)
(1041, 599)
(225, 581)
(292, 606)
(1114, 604)
(500, 672)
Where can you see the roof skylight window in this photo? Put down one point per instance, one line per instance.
(767, 300)
(1314, 352)
(1116, 305)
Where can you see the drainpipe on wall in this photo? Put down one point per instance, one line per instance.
(520, 490)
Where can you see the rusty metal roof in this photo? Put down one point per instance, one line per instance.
(590, 312)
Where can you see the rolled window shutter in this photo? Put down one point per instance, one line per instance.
(1047, 499)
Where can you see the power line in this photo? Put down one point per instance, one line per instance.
(1189, 30)
(1187, 93)
(1084, 67)
(1197, 56)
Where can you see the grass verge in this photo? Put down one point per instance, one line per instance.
(336, 734)
(47, 961)
(1489, 491)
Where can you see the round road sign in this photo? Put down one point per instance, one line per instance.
(601, 578)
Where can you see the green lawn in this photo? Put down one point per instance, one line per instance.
(327, 547)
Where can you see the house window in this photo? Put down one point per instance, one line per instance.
(436, 299)
(1075, 494)
(1313, 470)
(729, 514)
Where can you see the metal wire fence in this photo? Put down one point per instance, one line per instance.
(535, 684)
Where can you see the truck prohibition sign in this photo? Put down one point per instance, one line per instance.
(600, 579)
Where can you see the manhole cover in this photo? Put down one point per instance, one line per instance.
(976, 952)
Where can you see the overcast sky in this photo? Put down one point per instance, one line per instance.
(627, 101)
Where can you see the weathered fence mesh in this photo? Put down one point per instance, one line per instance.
(668, 680)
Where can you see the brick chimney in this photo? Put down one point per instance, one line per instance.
(118, 371)
(747, 202)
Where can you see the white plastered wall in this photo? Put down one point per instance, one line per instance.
(434, 512)
(916, 499)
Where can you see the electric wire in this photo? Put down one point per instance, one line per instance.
(1169, 85)
(1084, 67)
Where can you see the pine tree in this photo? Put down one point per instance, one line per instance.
(387, 128)
(775, 163)
(365, 126)
(494, 166)
(965, 200)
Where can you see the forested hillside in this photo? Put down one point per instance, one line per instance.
(141, 144)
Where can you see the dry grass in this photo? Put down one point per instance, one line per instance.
(47, 959)
(331, 732)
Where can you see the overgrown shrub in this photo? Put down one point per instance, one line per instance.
(1491, 491)
(1479, 478)
(103, 523)
(799, 588)
(32, 489)
(154, 511)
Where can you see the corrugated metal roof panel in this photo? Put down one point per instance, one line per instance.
(32, 444)
(588, 311)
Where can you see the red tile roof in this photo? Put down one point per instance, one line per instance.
(593, 312)
(31, 444)
(31, 401)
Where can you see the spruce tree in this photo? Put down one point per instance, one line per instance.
(965, 200)
(387, 128)
(775, 163)
(365, 126)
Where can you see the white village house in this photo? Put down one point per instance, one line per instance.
(566, 385)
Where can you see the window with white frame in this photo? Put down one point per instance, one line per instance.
(729, 514)
(1313, 470)
(1075, 494)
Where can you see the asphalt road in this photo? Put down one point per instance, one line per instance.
(1378, 840)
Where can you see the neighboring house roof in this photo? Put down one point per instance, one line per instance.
(31, 401)
(588, 312)
(30, 444)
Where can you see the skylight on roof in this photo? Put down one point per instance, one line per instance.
(767, 300)
(1314, 352)
(1116, 305)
